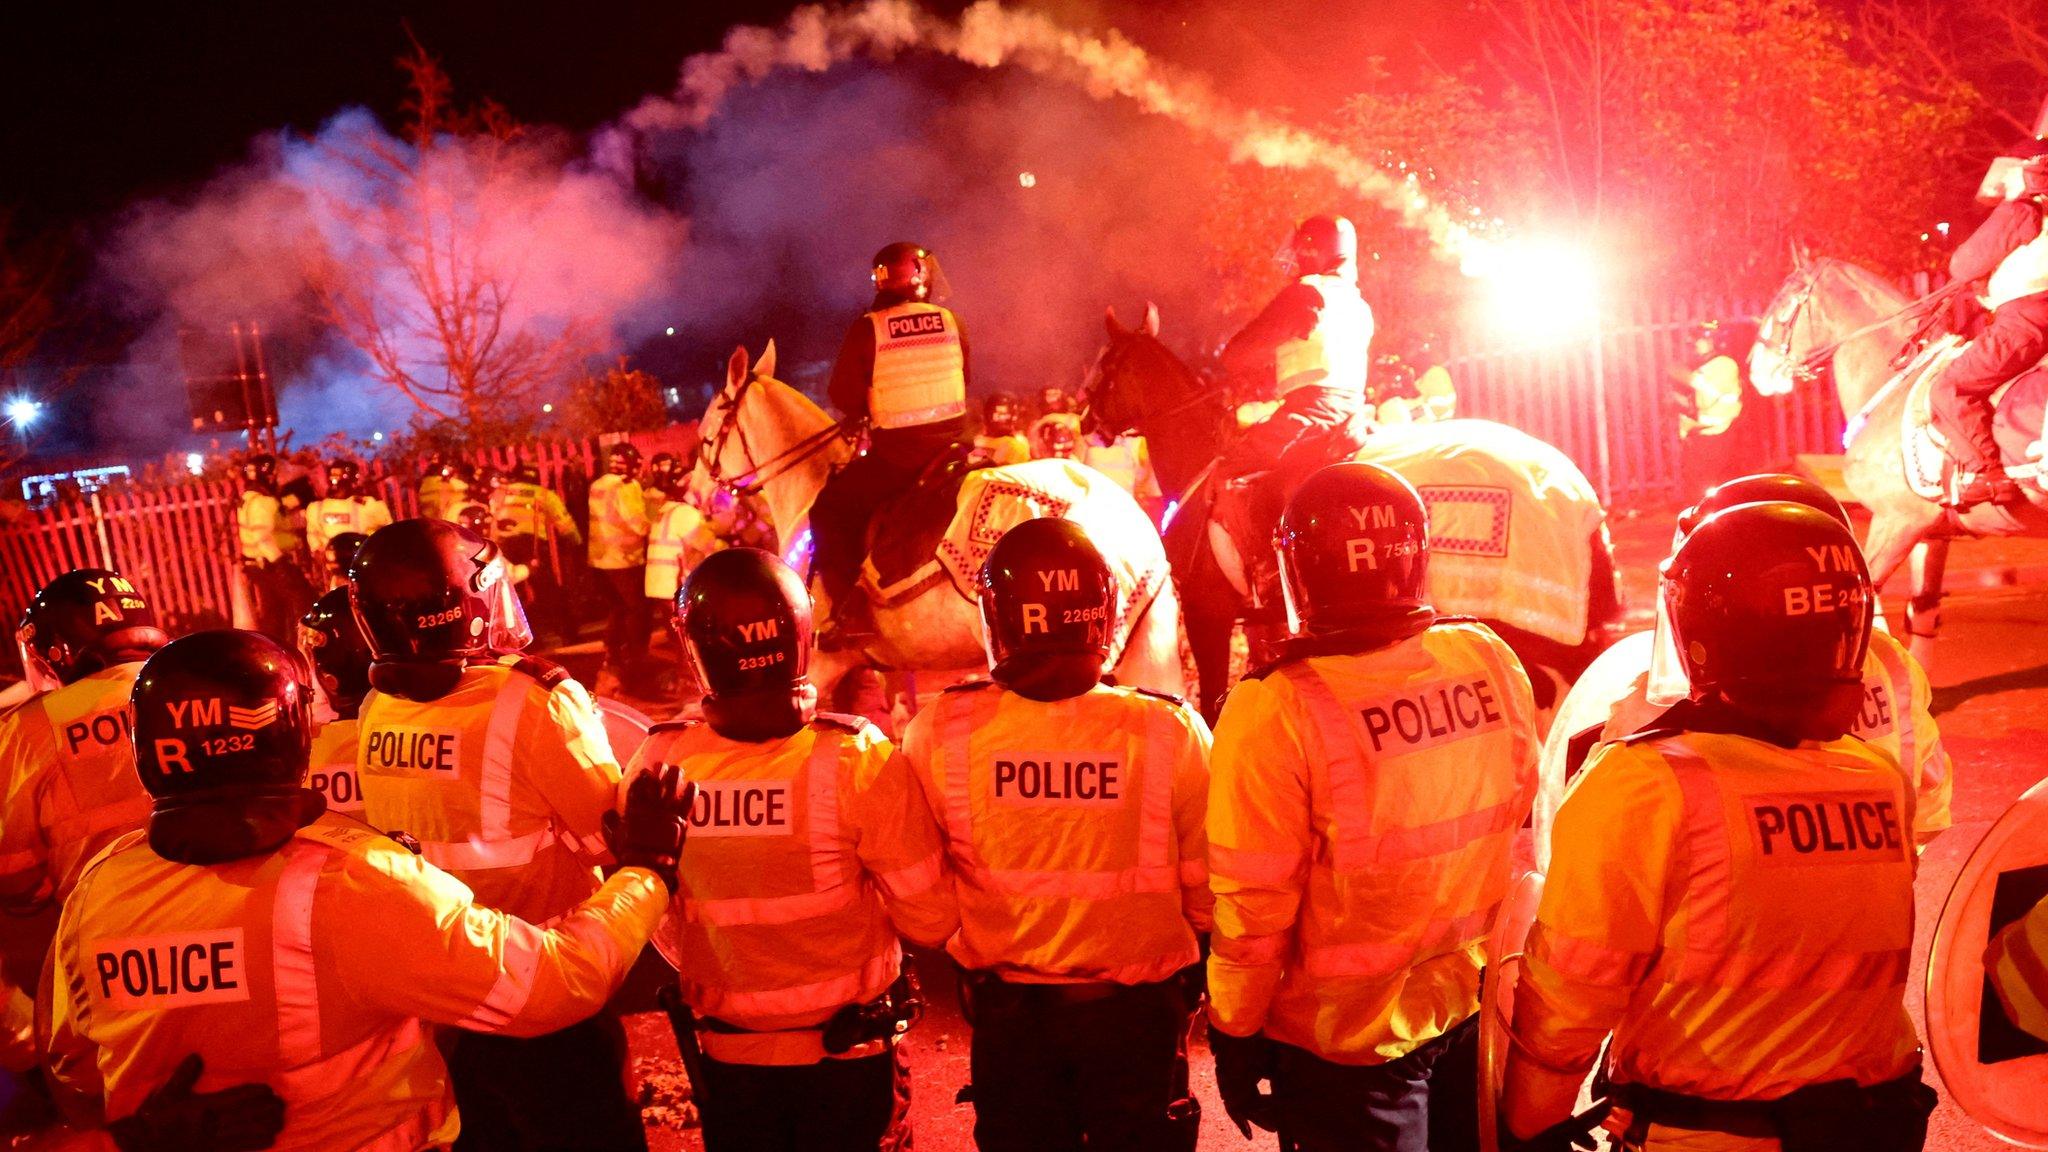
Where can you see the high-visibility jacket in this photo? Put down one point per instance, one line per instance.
(2017, 963)
(441, 495)
(1439, 394)
(1716, 398)
(920, 368)
(504, 781)
(1897, 716)
(68, 771)
(2023, 272)
(336, 747)
(326, 519)
(1738, 914)
(807, 857)
(1074, 830)
(1003, 450)
(1361, 812)
(682, 534)
(258, 528)
(310, 969)
(1126, 460)
(1337, 351)
(618, 523)
(523, 509)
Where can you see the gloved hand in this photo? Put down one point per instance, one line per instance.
(650, 834)
(1241, 1063)
(174, 1118)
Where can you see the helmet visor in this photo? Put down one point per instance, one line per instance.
(509, 631)
(1668, 683)
(41, 676)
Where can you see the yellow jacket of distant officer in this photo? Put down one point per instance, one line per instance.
(1716, 397)
(310, 969)
(1125, 460)
(999, 451)
(523, 509)
(618, 523)
(328, 518)
(1738, 914)
(337, 745)
(259, 528)
(441, 495)
(504, 781)
(807, 858)
(681, 536)
(1074, 830)
(68, 770)
(2017, 963)
(1361, 812)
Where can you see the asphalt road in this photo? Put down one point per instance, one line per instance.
(1991, 697)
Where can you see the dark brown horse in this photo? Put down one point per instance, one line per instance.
(1139, 386)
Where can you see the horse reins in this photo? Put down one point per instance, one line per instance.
(764, 471)
(1817, 359)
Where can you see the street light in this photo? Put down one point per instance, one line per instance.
(22, 412)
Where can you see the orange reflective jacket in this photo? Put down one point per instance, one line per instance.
(68, 771)
(336, 747)
(1074, 828)
(1360, 817)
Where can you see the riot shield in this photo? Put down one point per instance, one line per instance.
(626, 727)
(1994, 1071)
(1497, 998)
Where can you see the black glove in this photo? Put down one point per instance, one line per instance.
(1241, 1063)
(174, 1118)
(650, 834)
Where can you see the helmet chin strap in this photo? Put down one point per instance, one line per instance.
(757, 717)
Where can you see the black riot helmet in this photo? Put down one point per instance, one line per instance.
(907, 271)
(1001, 413)
(331, 638)
(1770, 605)
(344, 479)
(1324, 245)
(1760, 488)
(622, 459)
(223, 730)
(745, 622)
(665, 473)
(260, 471)
(1354, 553)
(1049, 609)
(431, 594)
(342, 548)
(476, 517)
(81, 622)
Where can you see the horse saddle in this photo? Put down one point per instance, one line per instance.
(1248, 507)
(2016, 421)
(908, 528)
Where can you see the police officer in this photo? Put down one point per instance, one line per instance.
(1366, 792)
(340, 654)
(1746, 940)
(903, 368)
(297, 948)
(268, 546)
(811, 851)
(444, 483)
(1897, 713)
(1310, 347)
(1072, 815)
(1056, 436)
(2016, 963)
(530, 517)
(499, 765)
(618, 551)
(1001, 439)
(682, 535)
(665, 476)
(347, 507)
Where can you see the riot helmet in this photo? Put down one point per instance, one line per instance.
(744, 619)
(622, 459)
(333, 640)
(476, 517)
(1324, 245)
(432, 593)
(1049, 609)
(1053, 398)
(81, 622)
(907, 271)
(1354, 553)
(1759, 488)
(665, 474)
(259, 471)
(342, 548)
(1770, 605)
(1000, 414)
(344, 479)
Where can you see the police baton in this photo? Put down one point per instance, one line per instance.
(683, 1023)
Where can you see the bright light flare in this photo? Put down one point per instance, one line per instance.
(195, 463)
(1536, 291)
(1027, 180)
(22, 411)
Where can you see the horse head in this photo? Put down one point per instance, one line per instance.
(1830, 317)
(1133, 377)
(762, 437)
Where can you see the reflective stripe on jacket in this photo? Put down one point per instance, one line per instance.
(2017, 964)
(807, 858)
(1740, 915)
(1074, 829)
(504, 782)
(920, 370)
(1338, 350)
(68, 770)
(618, 523)
(681, 533)
(310, 969)
(1361, 813)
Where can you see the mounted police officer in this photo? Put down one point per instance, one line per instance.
(903, 368)
(1366, 791)
(499, 765)
(811, 851)
(1072, 815)
(288, 946)
(1746, 939)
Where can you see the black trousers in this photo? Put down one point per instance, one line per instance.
(625, 630)
(832, 1106)
(1053, 1076)
(2013, 342)
(839, 517)
(562, 1092)
(1327, 1107)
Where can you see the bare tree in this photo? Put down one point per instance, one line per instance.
(1991, 53)
(28, 282)
(429, 293)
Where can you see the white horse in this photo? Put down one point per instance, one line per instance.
(764, 437)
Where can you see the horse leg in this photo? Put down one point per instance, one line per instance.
(1923, 609)
(1210, 615)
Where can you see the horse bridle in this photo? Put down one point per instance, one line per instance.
(1203, 394)
(758, 473)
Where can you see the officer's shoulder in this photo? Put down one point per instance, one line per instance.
(844, 722)
(667, 726)
(541, 670)
(969, 686)
(1647, 736)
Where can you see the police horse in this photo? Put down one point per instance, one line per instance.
(1478, 478)
(1847, 320)
(761, 437)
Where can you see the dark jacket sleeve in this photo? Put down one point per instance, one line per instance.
(966, 357)
(2009, 226)
(854, 371)
(1290, 316)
